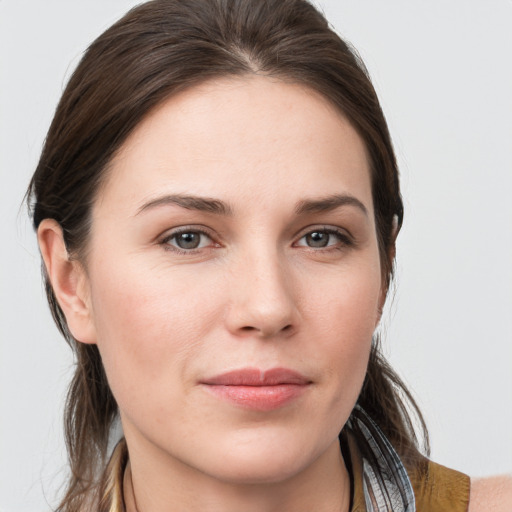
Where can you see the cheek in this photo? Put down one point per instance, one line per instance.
(149, 322)
(346, 301)
(345, 312)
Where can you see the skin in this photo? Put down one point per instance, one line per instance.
(491, 493)
(253, 293)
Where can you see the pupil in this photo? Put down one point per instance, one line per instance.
(317, 239)
(188, 240)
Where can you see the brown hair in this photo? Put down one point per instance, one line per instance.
(157, 49)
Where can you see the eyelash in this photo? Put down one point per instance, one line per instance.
(194, 230)
(345, 240)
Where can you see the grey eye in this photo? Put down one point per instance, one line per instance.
(317, 239)
(324, 238)
(188, 240)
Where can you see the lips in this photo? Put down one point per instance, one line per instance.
(258, 390)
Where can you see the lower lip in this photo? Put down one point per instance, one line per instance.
(259, 398)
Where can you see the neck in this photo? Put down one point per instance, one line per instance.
(324, 487)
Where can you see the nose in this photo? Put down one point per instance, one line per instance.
(263, 302)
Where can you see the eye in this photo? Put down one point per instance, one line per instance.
(187, 240)
(324, 238)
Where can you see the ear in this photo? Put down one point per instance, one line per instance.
(384, 287)
(69, 281)
(391, 253)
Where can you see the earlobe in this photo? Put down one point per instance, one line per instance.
(68, 280)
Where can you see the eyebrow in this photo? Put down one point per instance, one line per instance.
(218, 207)
(329, 203)
(203, 204)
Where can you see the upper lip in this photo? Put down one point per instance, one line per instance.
(257, 377)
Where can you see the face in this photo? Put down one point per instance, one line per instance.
(233, 279)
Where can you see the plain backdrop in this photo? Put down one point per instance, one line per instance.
(444, 76)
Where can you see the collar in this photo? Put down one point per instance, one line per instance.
(380, 482)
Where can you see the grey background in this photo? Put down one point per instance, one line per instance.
(443, 72)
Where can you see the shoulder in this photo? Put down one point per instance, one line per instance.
(491, 493)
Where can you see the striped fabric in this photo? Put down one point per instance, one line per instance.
(386, 484)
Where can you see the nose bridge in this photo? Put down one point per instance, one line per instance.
(263, 300)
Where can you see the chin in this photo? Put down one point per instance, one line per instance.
(258, 470)
(262, 461)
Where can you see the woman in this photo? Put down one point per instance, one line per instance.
(217, 204)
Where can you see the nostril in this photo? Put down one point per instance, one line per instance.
(250, 328)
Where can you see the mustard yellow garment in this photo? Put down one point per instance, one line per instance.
(438, 489)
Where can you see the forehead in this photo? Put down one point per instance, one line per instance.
(238, 139)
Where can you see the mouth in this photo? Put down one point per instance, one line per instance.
(259, 390)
